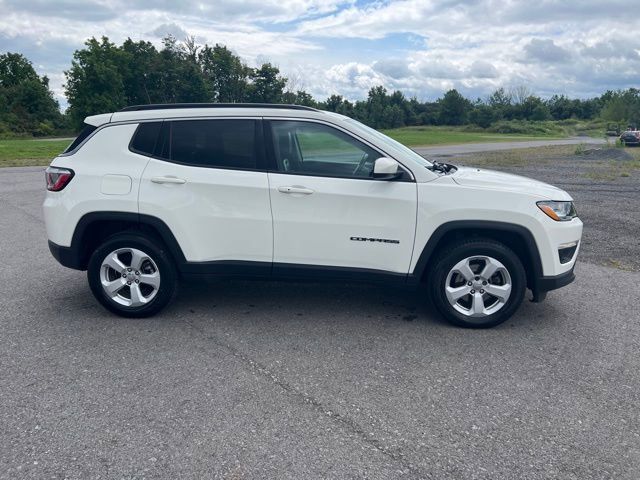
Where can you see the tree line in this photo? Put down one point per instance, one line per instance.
(106, 77)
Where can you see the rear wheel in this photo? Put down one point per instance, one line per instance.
(132, 276)
(478, 283)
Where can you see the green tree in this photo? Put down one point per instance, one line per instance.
(26, 102)
(560, 107)
(104, 77)
(454, 108)
(589, 108)
(139, 77)
(393, 117)
(306, 99)
(299, 98)
(540, 113)
(225, 74)
(338, 104)
(616, 110)
(621, 106)
(482, 115)
(333, 103)
(180, 76)
(377, 102)
(531, 108)
(94, 81)
(500, 103)
(14, 69)
(407, 108)
(267, 86)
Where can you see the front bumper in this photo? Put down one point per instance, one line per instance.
(542, 285)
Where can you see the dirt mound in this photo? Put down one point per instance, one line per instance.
(606, 153)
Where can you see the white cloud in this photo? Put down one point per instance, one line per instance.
(545, 50)
(393, 67)
(172, 29)
(482, 69)
(339, 46)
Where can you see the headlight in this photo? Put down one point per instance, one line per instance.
(559, 211)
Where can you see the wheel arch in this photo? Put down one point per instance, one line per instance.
(518, 238)
(95, 227)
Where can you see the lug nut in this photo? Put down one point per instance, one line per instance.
(484, 282)
(129, 269)
(124, 275)
(128, 283)
(137, 272)
(137, 281)
(481, 291)
(472, 292)
(469, 284)
(477, 278)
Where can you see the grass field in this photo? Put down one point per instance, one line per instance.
(22, 152)
(423, 136)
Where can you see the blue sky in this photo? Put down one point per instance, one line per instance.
(422, 47)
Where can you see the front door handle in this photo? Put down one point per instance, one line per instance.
(302, 190)
(175, 180)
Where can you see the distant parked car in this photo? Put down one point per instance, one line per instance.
(630, 138)
(613, 130)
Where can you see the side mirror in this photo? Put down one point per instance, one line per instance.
(386, 168)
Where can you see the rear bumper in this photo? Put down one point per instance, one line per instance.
(66, 256)
(542, 285)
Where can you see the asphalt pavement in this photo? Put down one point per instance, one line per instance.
(274, 380)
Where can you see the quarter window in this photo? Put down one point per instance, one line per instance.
(315, 149)
(86, 131)
(145, 138)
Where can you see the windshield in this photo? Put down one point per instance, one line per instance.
(391, 144)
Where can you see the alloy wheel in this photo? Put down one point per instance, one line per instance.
(478, 286)
(129, 277)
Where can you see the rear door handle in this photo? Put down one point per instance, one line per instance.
(302, 190)
(175, 180)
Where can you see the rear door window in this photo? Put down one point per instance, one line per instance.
(224, 143)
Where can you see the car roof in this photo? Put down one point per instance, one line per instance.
(169, 106)
(190, 110)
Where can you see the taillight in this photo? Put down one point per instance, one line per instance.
(57, 178)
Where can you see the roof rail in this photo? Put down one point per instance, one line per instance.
(163, 106)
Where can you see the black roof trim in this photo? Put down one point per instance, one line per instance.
(168, 106)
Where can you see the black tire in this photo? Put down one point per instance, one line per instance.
(451, 255)
(159, 255)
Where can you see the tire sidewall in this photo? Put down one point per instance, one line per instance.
(480, 248)
(164, 262)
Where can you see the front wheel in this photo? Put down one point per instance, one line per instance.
(132, 276)
(478, 283)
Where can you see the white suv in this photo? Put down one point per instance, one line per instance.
(150, 194)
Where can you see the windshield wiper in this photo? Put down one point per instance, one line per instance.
(442, 167)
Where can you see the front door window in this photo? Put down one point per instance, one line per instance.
(308, 148)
